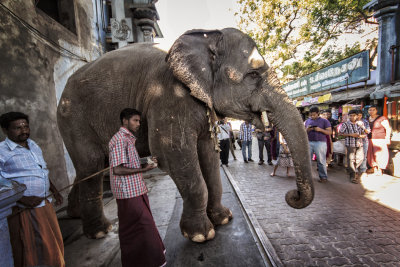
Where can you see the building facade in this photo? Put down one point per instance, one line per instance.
(42, 43)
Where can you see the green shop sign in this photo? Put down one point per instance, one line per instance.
(351, 70)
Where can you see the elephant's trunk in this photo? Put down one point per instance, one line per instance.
(284, 115)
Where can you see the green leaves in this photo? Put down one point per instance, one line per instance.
(299, 37)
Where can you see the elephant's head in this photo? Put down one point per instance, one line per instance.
(224, 70)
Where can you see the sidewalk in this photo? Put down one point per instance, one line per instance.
(234, 244)
(83, 252)
(345, 225)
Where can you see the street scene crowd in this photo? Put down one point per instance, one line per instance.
(366, 142)
(97, 92)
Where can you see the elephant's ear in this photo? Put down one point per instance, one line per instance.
(192, 58)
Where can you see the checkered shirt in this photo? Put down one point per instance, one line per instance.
(25, 166)
(123, 152)
(349, 128)
(245, 132)
(366, 125)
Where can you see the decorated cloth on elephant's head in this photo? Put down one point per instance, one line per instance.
(123, 152)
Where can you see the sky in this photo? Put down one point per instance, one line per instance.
(178, 16)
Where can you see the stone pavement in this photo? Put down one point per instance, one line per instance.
(83, 252)
(345, 225)
(234, 245)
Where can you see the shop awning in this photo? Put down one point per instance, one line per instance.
(352, 94)
(386, 90)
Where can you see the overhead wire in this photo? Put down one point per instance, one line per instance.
(43, 38)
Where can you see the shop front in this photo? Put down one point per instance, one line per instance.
(389, 95)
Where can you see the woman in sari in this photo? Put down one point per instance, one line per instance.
(379, 139)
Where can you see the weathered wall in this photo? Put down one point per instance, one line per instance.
(34, 69)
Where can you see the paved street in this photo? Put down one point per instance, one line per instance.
(346, 224)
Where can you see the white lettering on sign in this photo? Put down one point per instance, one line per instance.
(315, 86)
(355, 63)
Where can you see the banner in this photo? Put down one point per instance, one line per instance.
(348, 71)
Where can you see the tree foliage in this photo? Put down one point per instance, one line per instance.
(299, 37)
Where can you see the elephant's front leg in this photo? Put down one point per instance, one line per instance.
(194, 223)
(180, 159)
(209, 163)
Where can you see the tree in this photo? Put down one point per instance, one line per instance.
(299, 37)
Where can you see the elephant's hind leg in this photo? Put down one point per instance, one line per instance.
(73, 209)
(88, 158)
(209, 163)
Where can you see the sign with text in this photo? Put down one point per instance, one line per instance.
(348, 71)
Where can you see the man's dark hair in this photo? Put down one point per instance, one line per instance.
(353, 111)
(314, 109)
(327, 111)
(359, 111)
(373, 106)
(7, 118)
(128, 113)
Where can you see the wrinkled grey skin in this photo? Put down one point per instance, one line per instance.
(219, 70)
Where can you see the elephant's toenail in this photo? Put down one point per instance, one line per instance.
(199, 238)
(211, 234)
(225, 221)
(99, 235)
(185, 235)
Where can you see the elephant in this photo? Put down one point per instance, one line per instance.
(206, 74)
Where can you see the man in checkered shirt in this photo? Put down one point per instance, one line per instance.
(354, 144)
(140, 242)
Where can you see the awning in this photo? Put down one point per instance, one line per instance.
(386, 90)
(352, 94)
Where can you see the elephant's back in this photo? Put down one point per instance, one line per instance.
(96, 93)
(117, 66)
(116, 78)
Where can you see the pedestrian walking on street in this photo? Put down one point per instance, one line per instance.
(364, 124)
(224, 143)
(379, 139)
(264, 140)
(284, 158)
(354, 144)
(274, 143)
(232, 146)
(246, 140)
(329, 143)
(140, 242)
(317, 129)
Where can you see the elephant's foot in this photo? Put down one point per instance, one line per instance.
(100, 231)
(95, 224)
(102, 234)
(197, 228)
(219, 215)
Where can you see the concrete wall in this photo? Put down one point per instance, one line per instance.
(35, 63)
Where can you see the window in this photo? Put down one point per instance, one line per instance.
(61, 11)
